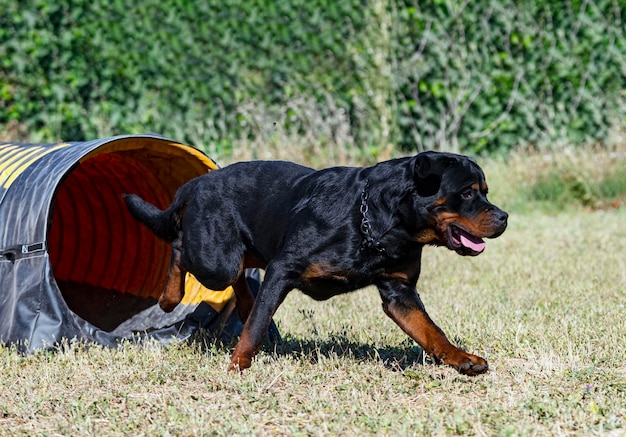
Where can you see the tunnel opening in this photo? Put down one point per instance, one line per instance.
(108, 267)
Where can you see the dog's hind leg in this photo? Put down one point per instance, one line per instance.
(244, 297)
(175, 287)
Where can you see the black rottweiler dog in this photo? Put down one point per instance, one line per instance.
(325, 233)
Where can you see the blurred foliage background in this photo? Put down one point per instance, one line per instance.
(479, 77)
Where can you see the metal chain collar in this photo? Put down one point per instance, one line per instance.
(369, 242)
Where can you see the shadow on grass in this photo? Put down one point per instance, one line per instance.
(392, 357)
(313, 351)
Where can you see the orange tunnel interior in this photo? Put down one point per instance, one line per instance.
(107, 265)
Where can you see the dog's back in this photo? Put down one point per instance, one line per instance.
(259, 182)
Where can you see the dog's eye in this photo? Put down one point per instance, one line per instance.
(467, 194)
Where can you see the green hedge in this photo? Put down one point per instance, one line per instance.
(477, 76)
(495, 73)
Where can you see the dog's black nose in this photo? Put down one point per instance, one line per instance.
(498, 221)
(501, 216)
(497, 214)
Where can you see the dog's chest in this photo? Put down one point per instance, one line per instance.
(323, 281)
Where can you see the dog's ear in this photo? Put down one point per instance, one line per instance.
(428, 169)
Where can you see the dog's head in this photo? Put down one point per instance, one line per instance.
(451, 190)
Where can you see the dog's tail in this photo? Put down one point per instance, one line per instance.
(164, 224)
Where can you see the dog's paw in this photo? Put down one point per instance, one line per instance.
(239, 364)
(167, 305)
(472, 365)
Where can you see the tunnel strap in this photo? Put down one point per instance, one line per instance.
(22, 251)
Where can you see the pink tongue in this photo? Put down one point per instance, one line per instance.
(476, 244)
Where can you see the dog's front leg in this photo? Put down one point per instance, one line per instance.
(402, 303)
(271, 294)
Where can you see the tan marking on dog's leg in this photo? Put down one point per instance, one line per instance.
(419, 326)
(175, 287)
(244, 297)
(244, 351)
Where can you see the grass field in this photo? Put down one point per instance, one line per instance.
(545, 305)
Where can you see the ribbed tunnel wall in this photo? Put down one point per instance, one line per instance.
(107, 265)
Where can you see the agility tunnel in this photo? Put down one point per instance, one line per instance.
(74, 264)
